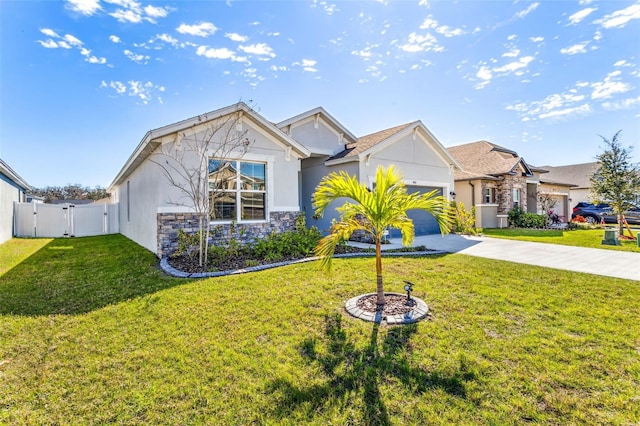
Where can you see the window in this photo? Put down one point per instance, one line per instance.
(237, 190)
(489, 196)
(516, 198)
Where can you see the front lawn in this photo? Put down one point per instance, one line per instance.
(91, 332)
(579, 237)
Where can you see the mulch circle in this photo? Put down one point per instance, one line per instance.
(394, 304)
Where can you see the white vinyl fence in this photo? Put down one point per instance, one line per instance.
(65, 220)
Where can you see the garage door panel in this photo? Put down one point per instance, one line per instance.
(424, 222)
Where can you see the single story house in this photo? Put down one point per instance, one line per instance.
(424, 162)
(496, 179)
(580, 175)
(265, 182)
(12, 189)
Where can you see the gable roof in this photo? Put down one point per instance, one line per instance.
(152, 139)
(375, 142)
(578, 174)
(328, 118)
(486, 160)
(12, 176)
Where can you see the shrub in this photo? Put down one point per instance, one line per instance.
(520, 219)
(464, 221)
(187, 243)
(297, 243)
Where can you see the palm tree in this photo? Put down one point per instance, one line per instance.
(385, 206)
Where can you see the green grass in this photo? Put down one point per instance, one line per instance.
(581, 237)
(95, 334)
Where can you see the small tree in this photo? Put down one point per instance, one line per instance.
(185, 163)
(617, 179)
(373, 211)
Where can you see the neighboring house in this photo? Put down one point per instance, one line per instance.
(152, 210)
(424, 162)
(495, 179)
(72, 201)
(579, 174)
(12, 188)
(266, 188)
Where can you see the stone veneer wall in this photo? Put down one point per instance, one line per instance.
(504, 194)
(170, 223)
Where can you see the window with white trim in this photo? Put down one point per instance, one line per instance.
(237, 190)
(516, 197)
(489, 196)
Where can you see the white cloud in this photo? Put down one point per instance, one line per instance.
(537, 39)
(513, 53)
(329, 8)
(421, 43)
(236, 37)
(145, 91)
(203, 29)
(309, 65)
(528, 10)
(576, 48)
(127, 16)
(49, 32)
(580, 15)
(137, 58)
(114, 38)
(49, 44)
(219, 53)
(573, 111)
(620, 18)
(84, 7)
(514, 66)
(261, 49)
(445, 30)
(156, 12)
(167, 39)
(608, 87)
(72, 40)
(630, 103)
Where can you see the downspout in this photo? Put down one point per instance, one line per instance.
(473, 194)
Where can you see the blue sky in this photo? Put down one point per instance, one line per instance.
(82, 81)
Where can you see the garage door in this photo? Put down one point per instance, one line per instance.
(423, 222)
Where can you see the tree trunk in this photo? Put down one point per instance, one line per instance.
(620, 225)
(200, 241)
(379, 285)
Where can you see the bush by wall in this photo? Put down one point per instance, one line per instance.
(518, 218)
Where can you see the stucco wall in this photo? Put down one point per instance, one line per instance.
(8, 194)
(151, 193)
(418, 162)
(317, 139)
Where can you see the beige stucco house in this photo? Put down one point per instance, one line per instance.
(495, 179)
(12, 189)
(267, 185)
(578, 174)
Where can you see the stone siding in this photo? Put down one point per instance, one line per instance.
(170, 223)
(504, 193)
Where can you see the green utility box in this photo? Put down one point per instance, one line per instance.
(611, 237)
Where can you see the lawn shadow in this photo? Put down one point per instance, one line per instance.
(351, 371)
(78, 275)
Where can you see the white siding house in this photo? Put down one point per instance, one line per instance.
(12, 189)
(152, 210)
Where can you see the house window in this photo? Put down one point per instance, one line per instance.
(516, 198)
(489, 196)
(237, 190)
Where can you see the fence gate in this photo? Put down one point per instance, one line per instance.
(65, 220)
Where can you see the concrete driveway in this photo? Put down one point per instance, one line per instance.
(610, 263)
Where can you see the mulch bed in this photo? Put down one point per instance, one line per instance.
(394, 304)
(189, 264)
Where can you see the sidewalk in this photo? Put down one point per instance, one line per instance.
(611, 263)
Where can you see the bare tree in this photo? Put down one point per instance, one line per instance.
(197, 159)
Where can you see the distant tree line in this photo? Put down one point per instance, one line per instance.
(70, 192)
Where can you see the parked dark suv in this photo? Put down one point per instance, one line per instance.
(596, 213)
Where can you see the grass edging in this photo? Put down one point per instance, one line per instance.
(170, 270)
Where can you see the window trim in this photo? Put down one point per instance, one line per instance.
(247, 158)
